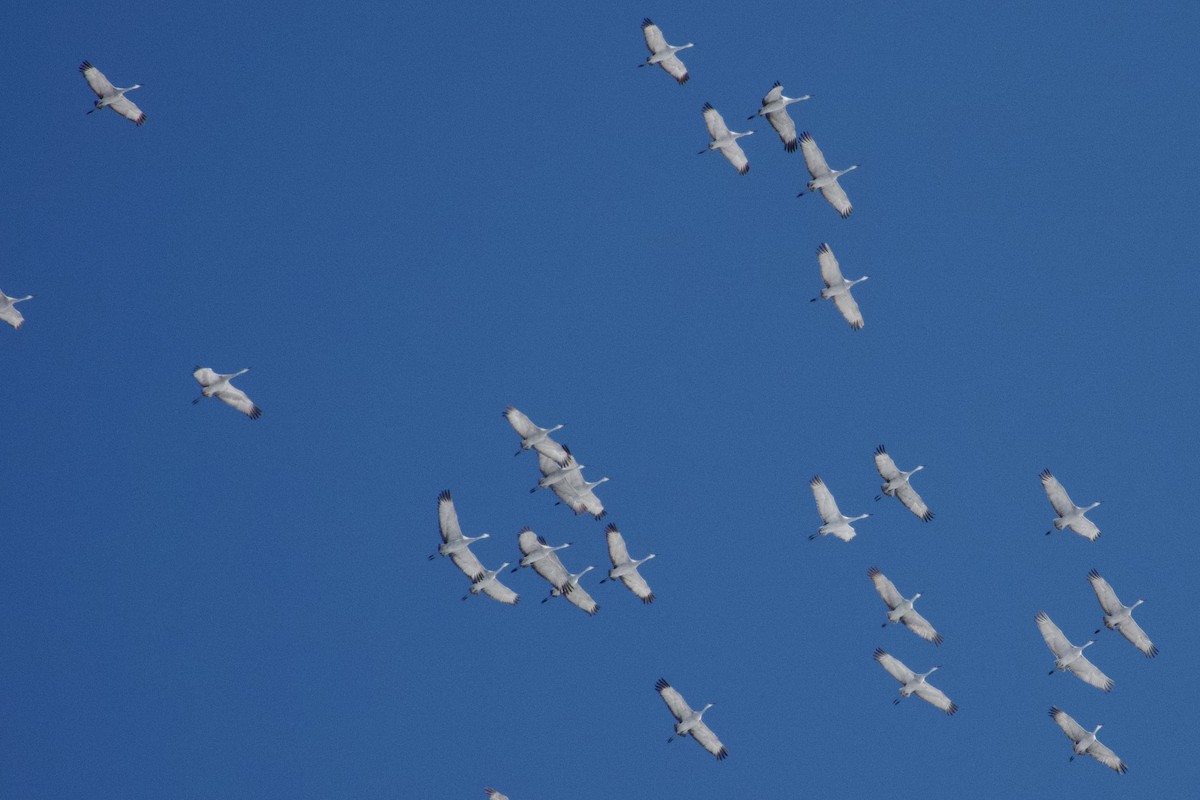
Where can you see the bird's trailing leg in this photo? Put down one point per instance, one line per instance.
(197, 400)
(813, 536)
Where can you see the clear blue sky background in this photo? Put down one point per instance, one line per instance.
(406, 216)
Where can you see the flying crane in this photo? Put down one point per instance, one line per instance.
(901, 610)
(662, 53)
(1068, 656)
(214, 384)
(836, 523)
(837, 288)
(110, 96)
(1069, 515)
(896, 484)
(774, 108)
(1118, 616)
(1085, 742)
(689, 722)
(824, 179)
(913, 683)
(8, 311)
(725, 140)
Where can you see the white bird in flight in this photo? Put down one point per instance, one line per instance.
(577, 494)
(662, 53)
(1118, 616)
(9, 313)
(725, 140)
(545, 562)
(534, 437)
(824, 179)
(689, 722)
(836, 523)
(1068, 656)
(838, 288)
(774, 108)
(901, 610)
(1069, 515)
(576, 594)
(457, 547)
(494, 795)
(913, 683)
(111, 96)
(553, 472)
(897, 485)
(214, 384)
(1085, 742)
(624, 568)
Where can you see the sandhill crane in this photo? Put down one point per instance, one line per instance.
(577, 494)
(553, 472)
(453, 542)
(533, 437)
(537, 550)
(1069, 515)
(1118, 616)
(1068, 656)
(456, 546)
(836, 522)
(576, 594)
(488, 582)
(214, 384)
(897, 484)
(838, 288)
(111, 96)
(1085, 742)
(689, 722)
(662, 53)
(774, 108)
(547, 564)
(902, 610)
(725, 140)
(824, 179)
(911, 683)
(494, 795)
(624, 568)
(9, 313)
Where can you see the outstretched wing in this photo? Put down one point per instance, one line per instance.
(675, 68)
(894, 666)
(813, 158)
(887, 589)
(95, 78)
(617, 552)
(549, 566)
(655, 41)
(736, 156)
(498, 591)
(836, 196)
(1085, 528)
(1089, 673)
(886, 466)
(673, 699)
(913, 502)
(935, 697)
(1107, 757)
(831, 271)
(781, 121)
(13, 317)
(717, 129)
(466, 561)
(1137, 637)
(580, 598)
(704, 735)
(236, 398)
(448, 518)
(1058, 644)
(126, 108)
(1057, 494)
(637, 584)
(826, 505)
(846, 304)
(1070, 727)
(921, 627)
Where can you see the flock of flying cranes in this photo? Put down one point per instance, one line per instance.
(562, 474)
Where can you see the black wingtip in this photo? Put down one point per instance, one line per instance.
(646, 22)
(661, 684)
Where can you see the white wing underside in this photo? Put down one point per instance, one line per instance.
(548, 566)
(895, 667)
(1112, 605)
(12, 316)
(836, 196)
(826, 505)
(704, 735)
(1059, 645)
(781, 121)
(499, 592)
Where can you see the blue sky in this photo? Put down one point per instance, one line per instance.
(405, 219)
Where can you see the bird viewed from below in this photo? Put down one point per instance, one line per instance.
(576, 594)
(576, 493)
(553, 472)
(838, 288)
(535, 438)
(494, 795)
(897, 485)
(836, 523)
(454, 544)
(774, 108)
(725, 140)
(901, 610)
(1085, 742)
(689, 722)
(1069, 515)
(912, 683)
(624, 568)
(8, 311)
(662, 53)
(824, 179)
(488, 582)
(547, 563)
(537, 549)
(110, 96)
(1068, 656)
(214, 384)
(457, 547)
(1118, 616)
